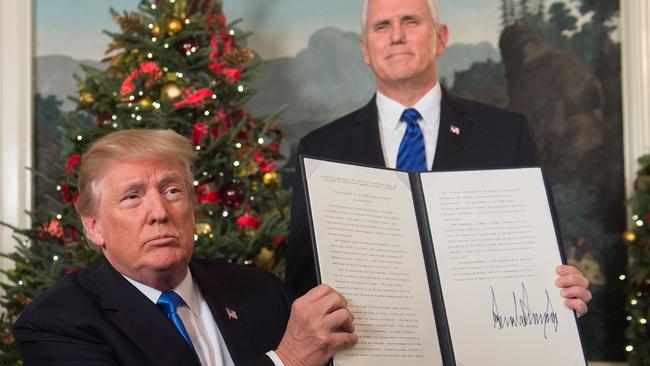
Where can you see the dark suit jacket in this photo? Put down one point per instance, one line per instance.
(96, 317)
(489, 138)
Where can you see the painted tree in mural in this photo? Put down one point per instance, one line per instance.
(176, 64)
(638, 273)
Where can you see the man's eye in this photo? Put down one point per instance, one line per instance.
(381, 26)
(174, 191)
(131, 197)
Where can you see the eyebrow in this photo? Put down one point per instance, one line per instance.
(168, 178)
(401, 19)
(172, 177)
(132, 187)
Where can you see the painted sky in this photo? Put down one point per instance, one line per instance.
(281, 27)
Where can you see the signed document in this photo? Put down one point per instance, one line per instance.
(442, 268)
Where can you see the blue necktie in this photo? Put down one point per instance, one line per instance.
(411, 154)
(168, 302)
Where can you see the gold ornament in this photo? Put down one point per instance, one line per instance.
(145, 102)
(246, 170)
(174, 26)
(270, 178)
(155, 31)
(265, 259)
(23, 299)
(629, 237)
(170, 91)
(247, 165)
(203, 228)
(86, 99)
(239, 56)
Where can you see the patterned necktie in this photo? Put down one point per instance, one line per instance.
(411, 154)
(168, 302)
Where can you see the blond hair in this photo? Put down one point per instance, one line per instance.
(160, 145)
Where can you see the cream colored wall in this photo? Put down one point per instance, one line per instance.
(635, 41)
(15, 118)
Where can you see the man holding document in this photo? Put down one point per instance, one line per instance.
(412, 124)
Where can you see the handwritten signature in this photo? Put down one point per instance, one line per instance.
(523, 315)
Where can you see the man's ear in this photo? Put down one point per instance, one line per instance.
(443, 37)
(364, 50)
(93, 230)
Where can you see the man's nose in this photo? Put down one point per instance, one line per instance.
(157, 209)
(396, 33)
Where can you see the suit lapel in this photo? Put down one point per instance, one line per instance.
(365, 136)
(220, 300)
(453, 134)
(141, 321)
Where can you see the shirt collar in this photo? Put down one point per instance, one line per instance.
(428, 106)
(187, 290)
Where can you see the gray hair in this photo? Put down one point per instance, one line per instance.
(433, 6)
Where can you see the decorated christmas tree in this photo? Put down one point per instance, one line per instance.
(176, 64)
(638, 276)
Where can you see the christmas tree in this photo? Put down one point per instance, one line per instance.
(176, 64)
(638, 276)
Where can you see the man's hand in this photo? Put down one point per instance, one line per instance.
(574, 288)
(319, 325)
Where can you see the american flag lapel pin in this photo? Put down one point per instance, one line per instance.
(231, 314)
(454, 129)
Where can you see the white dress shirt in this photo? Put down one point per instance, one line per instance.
(391, 130)
(199, 323)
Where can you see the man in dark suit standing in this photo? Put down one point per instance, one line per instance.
(147, 302)
(413, 124)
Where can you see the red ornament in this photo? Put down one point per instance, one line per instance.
(67, 197)
(200, 133)
(232, 195)
(226, 43)
(247, 221)
(53, 228)
(273, 148)
(278, 240)
(264, 165)
(149, 68)
(207, 193)
(103, 120)
(73, 163)
(65, 192)
(218, 19)
(223, 121)
(232, 74)
(186, 46)
(73, 235)
(193, 99)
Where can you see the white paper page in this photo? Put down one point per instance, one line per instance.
(497, 251)
(369, 250)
